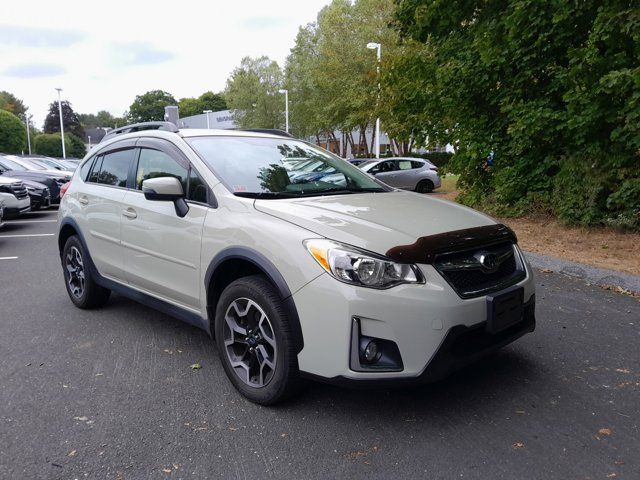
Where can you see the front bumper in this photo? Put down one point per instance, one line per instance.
(435, 330)
(14, 207)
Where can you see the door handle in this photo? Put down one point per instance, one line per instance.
(83, 200)
(130, 213)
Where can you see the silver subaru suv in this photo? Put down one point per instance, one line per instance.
(334, 276)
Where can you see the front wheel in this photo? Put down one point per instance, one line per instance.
(255, 342)
(425, 186)
(83, 291)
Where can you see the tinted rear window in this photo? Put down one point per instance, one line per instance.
(114, 169)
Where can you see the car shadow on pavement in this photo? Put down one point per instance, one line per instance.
(498, 377)
(487, 384)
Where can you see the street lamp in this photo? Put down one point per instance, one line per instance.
(27, 117)
(286, 107)
(207, 112)
(378, 47)
(64, 153)
(89, 137)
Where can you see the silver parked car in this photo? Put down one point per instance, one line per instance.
(406, 173)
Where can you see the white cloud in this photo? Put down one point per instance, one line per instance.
(106, 55)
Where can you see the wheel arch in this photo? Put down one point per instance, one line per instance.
(236, 262)
(68, 228)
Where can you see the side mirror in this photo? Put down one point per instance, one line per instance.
(166, 189)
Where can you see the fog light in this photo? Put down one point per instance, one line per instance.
(371, 352)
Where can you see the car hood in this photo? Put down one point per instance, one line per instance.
(375, 221)
(8, 180)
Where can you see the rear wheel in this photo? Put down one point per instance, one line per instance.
(425, 186)
(255, 342)
(83, 291)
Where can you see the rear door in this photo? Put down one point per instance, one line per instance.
(406, 174)
(162, 250)
(100, 202)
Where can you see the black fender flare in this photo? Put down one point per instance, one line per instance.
(270, 271)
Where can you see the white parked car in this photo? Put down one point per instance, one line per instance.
(406, 173)
(349, 282)
(14, 196)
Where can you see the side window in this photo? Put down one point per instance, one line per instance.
(154, 163)
(84, 169)
(405, 164)
(115, 168)
(417, 164)
(197, 187)
(389, 166)
(93, 176)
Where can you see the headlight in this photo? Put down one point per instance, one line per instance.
(359, 267)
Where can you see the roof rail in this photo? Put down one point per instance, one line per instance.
(139, 127)
(272, 131)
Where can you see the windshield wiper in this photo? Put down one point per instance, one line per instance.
(265, 195)
(339, 191)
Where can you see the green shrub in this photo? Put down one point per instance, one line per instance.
(13, 135)
(76, 148)
(49, 144)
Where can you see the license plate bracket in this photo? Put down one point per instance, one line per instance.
(505, 310)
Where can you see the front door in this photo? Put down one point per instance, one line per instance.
(161, 249)
(386, 172)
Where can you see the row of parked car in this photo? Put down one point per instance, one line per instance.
(31, 182)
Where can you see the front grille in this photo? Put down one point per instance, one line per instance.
(469, 277)
(19, 190)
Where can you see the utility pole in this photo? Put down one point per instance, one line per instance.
(64, 153)
(286, 108)
(27, 117)
(378, 47)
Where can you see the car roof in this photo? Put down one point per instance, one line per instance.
(185, 133)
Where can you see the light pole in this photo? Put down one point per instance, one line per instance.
(64, 153)
(27, 117)
(207, 112)
(89, 137)
(378, 47)
(286, 108)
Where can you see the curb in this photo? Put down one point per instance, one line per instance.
(596, 276)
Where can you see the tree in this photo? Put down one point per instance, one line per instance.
(69, 120)
(213, 101)
(13, 135)
(150, 106)
(332, 77)
(252, 93)
(12, 104)
(100, 120)
(552, 88)
(49, 144)
(207, 101)
(76, 148)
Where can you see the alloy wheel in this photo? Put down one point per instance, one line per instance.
(250, 342)
(75, 272)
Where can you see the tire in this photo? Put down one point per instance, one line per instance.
(83, 291)
(251, 315)
(425, 186)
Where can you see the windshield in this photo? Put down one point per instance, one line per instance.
(280, 168)
(38, 164)
(11, 165)
(366, 166)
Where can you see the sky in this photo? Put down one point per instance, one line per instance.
(103, 54)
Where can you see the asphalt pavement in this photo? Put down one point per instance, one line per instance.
(110, 394)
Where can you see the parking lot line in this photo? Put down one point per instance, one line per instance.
(29, 235)
(8, 258)
(30, 221)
